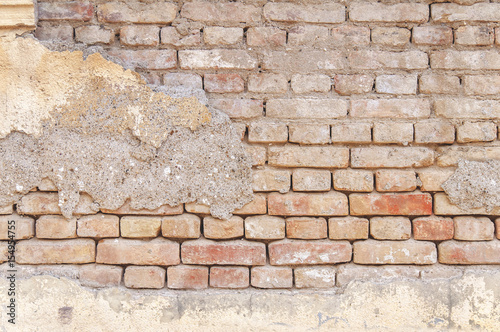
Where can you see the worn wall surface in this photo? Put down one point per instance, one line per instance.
(367, 132)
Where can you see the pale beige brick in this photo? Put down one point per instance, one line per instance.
(221, 13)
(267, 132)
(476, 132)
(352, 132)
(473, 228)
(433, 178)
(391, 108)
(480, 12)
(439, 84)
(55, 227)
(390, 228)
(266, 36)
(432, 35)
(98, 226)
(306, 228)
(311, 180)
(184, 226)
(378, 12)
(47, 185)
(395, 157)
(164, 210)
(449, 156)
(310, 83)
(216, 59)
(136, 12)
(24, 227)
(396, 84)
(271, 180)
(371, 59)
(267, 83)
(309, 133)
(375, 252)
(467, 108)
(239, 108)
(309, 35)
(171, 36)
(305, 62)
(97, 275)
(272, 277)
(258, 154)
(482, 85)
(61, 32)
(140, 35)
(331, 203)
(314, 277)
(144, 277)
(223, 229)
(395, 180)
(137, 252)
(7, 209)
(353, 84)
(40, 203)
(434, 132)
(443, 207)
(306, 108)
(264, 228)
(222, 36)
(391, 36)
(74, 251)
(257, 206)
(353, 180)
(314, 156)
(350, 272)
(140, 226)
(393, 132)
(467, 60)
(474, 35)
(93, 34)
(346, 35)
(187, 80)
(348, 228)
(311, 13)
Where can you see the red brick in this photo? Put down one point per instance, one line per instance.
(40, 203)
(240, 252)
(68, 11)
(348, 228)
(257, 206)
(296, 204)
(314, 277)
(97, 276)
(390, 228)
(55, 227)
(229, 277)
(264, 228)
(75, 251)
(298, 252)
(432, 35)
(223, 229)
(473, 228)
(147, 59)
(98, 226)
(266, 36)
(314, 156)
(433, 228)
(272, 277)
(239, 108)
(24, 227)
(184, 226)
(187, 277)
(138, 252)
(391, 204)
(460, 252)
(394, 252)
(395, 180)
(221, 13)
(223, 83)
(306, 228)
(136, 12)
(144, 277)
(164, 210)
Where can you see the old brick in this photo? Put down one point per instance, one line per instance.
(184, 226)
(298, 252)
(396, 84)
(395, 180)
(68, 11)
(61, 32)
(476, 132)
(432, 35)
(304, 61)
(47, 185)
(314, 156)
(353, 84)
(147, 59)
(306, 228)
(353, 180)
(93, 34)
(152, 78)
(136, 12)
(443, 207)
(467, 60)
(370, 59)
(378, 12)
(74, 251)
(390, 108)
(480, 12)
(55, 227)
(187, 80)
(239, 108)
(98, 226)
(306, 108)
(266, 36)
(97, 276)
(473, 228)
(394, 252)
(272, 277)
(391, 36)
(497, 228)
(482, 85)
(221, 13)
(391, 204)
(139, 35)
(352, 132)
(144, 277)
(474, 35)
(138, 252)
(309, 133)
(434, 132)
(257, 206)
(216, 59)
(267, 83)
(140, 226)
(346, 35)
(309, 35)
(8, 209)
(433, 228)
(164, 210)
(222, 36)
(348, 228)
(393, 132)
(223, 229)
(390, 228)
(290, 12)
(239, 252)
(433, 178)
(310, 83)
(314, 277)
(223, 83)
(297, 204)
(396, 157)
(229, 277)
(24, 227)
(39, 203)
(171, 36)
(311, 180)
(449, 156)
(264, 228)
(349, 272)
(271, 180)
(4, 251)
(461, 252)
(187, 277)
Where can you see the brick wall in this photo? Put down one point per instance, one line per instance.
(354, 113)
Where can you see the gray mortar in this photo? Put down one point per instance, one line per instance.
(475, 184)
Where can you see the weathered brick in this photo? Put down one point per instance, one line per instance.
(311, 13)
(55, 227)
(61, 32)
(97, 276)
(258, 154)
(476, 132)
(144, 277)
(271, 180)
(207, 252)
(257, 206)
(314, 156)
(229, 277)
(309, 133)
(93, 34)
(311, 180)
(140, 226)
(479, 12)
(369, 59)
(309, 35)
(8, 209)
(264, 228)
(136, 12)
(223, 229)
(474, 35)
(47, 185)
(74, 251)
(352, 132)
(349, 272)
(172, 36)
(395, 180)
(221, 13)
(473, 228)
(216, 59)
(138, 252)
(391, 36)
(306, 108)
(433, 228)
(396, 84)
(348, 228)
(434, 132)
(223, 83)
(497, 228)
(298, 252)
(314, 277)
(393, 132)
(266, 36)
(98, 226)
(390, 228)
(449, 156)
(353, 180)
(164, 210)
(443, 207)
(239, 108)
(297, 204)
(433, 178)
(272, 277)
(4, 251)
(461, 252)
(310, 83)
(222, 36)
(432, 35)
(353, 84)
(391, 204)
(68, 11)
(152, 78)
(378, 12)
(346, 35)
(467, 60)
(187, 277)
(306, 228)
(304, 62)
(184, 226)
(187, 80)
(147, 59)
(482, 85)
(394, 252)
(139, 35)
(24, 227)
(396, 157)
(267, 83)
(39, 203)
(390, 108)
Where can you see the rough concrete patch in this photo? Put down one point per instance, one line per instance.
(475, 184)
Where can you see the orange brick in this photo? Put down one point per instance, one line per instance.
(164, 210)
(144, 277)
(473, 228)
(55, 227)
(75, 251)
(394, 252)
(39, 203)
(391, 204)
(223, 83)
(295, 204)
(271, 180)
(264, 228)
(184, 226)
(98, 226)
(461, 252)
(229, 277)
(298, 252)
(257, 206)
(187, 277)
(433, 228)
(311, 180)
(348, 228)
(223, 229)
(140, 226)
(97, 276)
(240, 252)
(24, 227)
(138, 252)
(306, 228)
(395, 180)
(272, 277)
(390, 228)
(314, 277)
